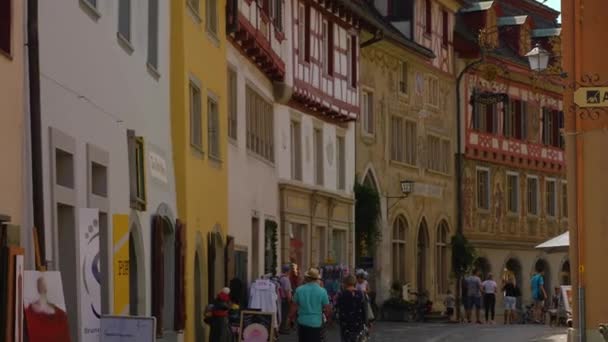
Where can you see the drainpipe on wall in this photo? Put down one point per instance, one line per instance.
(35, 124)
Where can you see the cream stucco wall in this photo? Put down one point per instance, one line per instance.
(13, 121)
(252, 180)
(93, 89)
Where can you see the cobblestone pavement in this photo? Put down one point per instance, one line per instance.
(393, 332)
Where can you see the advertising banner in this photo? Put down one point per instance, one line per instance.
(90, 276)
(120, 246)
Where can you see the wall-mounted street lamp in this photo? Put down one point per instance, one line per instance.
(538, 58)
(407, 187)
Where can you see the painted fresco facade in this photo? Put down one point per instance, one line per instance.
(406, 132)
(514, 183)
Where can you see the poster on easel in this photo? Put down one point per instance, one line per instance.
(256, 326)
(567, 297)
(44, 304)
(90, 278)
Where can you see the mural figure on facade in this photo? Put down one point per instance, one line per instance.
(498, 207)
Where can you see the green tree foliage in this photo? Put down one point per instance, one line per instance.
(367, 219)
(463, 257)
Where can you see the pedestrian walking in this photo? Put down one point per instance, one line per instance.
(473, 298)
(489, 298)
(309, 303)
(350, 306)
(286, 295)
(450, 304)
(362, 284)
(538, 294)
(510, 300)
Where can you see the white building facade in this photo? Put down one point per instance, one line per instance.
(106, 144)
(257, 54)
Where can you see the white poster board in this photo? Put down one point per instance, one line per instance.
(90, 279)
(127, 329)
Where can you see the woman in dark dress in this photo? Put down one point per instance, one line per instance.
(351, 312)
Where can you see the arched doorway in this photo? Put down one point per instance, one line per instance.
(484, 267)
(542, 265)
(422, 256)
(513, 267)
(565, 274)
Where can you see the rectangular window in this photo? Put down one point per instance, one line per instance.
(137, 171)
(153, 33)
(509, 122)
(213, 128)
(367, 112)
(485, 117)
(339, 243)
(428, 24)
(260, 123)
(307, 38)
(325, 48)
(403, 73)
(328, 48)
(353, 61)
(551, 127)
(403, 140)
(6, 23)
(318, 155)
(438, 154)
(196, 123)
(211, 15)
(299, 239)
(278, 15)
(232, 105)
(532, 189)
(296, 150)
(551, 198)
(523, 121)
(301, 33)
(564, 199)
(446, 28)
(341, 163)
(124, 19)
(512, 193)
(483, 189)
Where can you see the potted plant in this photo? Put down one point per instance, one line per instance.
(396, 308)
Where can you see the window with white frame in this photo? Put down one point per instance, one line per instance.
(438, 154)
(398, 257)
(232, 105)
(340, 163)
(551, 197)
(260, 123)
(124, 19)
(483, 188)
(301, 32)
(318, 155)
(196, 124)
(351, 45)
(137, 171)
(512, 192)
(403, 77)
(321, 244)
(299, 239)
(328, 48)
(432, 91)
(442, 257)
(213, 128)
(211, 16)
(532, 190)
(296, 150)
(367, 111)
(403, 140)
(153, 33)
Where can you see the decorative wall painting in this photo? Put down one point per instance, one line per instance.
(256, 326)
(45, 309)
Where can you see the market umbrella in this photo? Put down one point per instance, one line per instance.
(558, 244)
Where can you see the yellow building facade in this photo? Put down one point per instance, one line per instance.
(198, 112)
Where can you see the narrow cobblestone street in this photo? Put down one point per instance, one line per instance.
(393, 332)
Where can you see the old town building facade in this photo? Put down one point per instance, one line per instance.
(514, 185)
(406, 133)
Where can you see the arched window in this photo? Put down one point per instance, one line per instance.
(399, 237)
(442, 257)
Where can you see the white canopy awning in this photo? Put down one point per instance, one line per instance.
(559, 243)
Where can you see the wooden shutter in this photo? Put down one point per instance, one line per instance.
(489, 119)
(157, 277)
(518, 119)
(229, 258)
(180, 269)
(556, 126)
(211, 265)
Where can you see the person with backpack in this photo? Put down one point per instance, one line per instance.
(538, 294)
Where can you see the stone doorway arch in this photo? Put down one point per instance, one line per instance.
(422, 256)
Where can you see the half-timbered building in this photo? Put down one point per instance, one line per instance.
(514, 187)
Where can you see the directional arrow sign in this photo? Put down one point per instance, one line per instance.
(591, 97)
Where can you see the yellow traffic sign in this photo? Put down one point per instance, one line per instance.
(591, 97)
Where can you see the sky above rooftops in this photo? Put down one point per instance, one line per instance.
(555, 4)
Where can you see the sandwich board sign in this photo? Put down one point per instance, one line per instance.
(127, 329)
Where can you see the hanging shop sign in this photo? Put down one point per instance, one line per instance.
(591, 97)
(488, 98)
